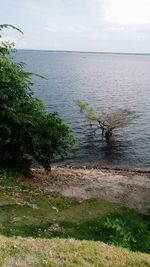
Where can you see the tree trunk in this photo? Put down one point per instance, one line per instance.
(108, 134)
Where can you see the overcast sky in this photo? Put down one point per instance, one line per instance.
(81, 25)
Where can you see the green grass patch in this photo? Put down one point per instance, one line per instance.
(27, 212)
(66, 252)
(11, 250)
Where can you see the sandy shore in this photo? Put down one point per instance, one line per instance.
(129, 187)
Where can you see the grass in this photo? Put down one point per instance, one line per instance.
(66, 252)
(29, 213)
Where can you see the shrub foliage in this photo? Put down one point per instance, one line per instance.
(25, 126)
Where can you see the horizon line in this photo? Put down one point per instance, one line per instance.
(84, 52)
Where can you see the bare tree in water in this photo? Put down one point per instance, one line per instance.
(107, 122)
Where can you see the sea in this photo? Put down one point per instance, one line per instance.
(105, 80)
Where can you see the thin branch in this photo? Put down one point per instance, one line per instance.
(2, 26)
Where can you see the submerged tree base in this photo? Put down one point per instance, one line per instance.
(108, 122)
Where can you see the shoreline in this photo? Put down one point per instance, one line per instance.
(101, 166)
(130, 188)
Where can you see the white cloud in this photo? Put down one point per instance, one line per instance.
(128, 12)
(96, 25)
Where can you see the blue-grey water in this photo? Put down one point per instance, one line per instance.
(106, 81)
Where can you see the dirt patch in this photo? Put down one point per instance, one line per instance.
(130, 188)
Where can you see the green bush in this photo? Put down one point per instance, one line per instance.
(25, 126)
(124, 233)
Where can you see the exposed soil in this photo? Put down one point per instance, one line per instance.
(128, 187)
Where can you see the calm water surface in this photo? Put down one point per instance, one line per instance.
(105, 81)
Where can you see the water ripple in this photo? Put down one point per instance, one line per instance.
(106, 81)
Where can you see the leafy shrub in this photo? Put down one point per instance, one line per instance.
(122, 233)
(25, 126)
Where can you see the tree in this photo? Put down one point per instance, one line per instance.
(25, 126)
(108, 122)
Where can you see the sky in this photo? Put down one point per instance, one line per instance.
(79, 25)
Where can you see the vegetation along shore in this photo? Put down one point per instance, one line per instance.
(63, 214)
